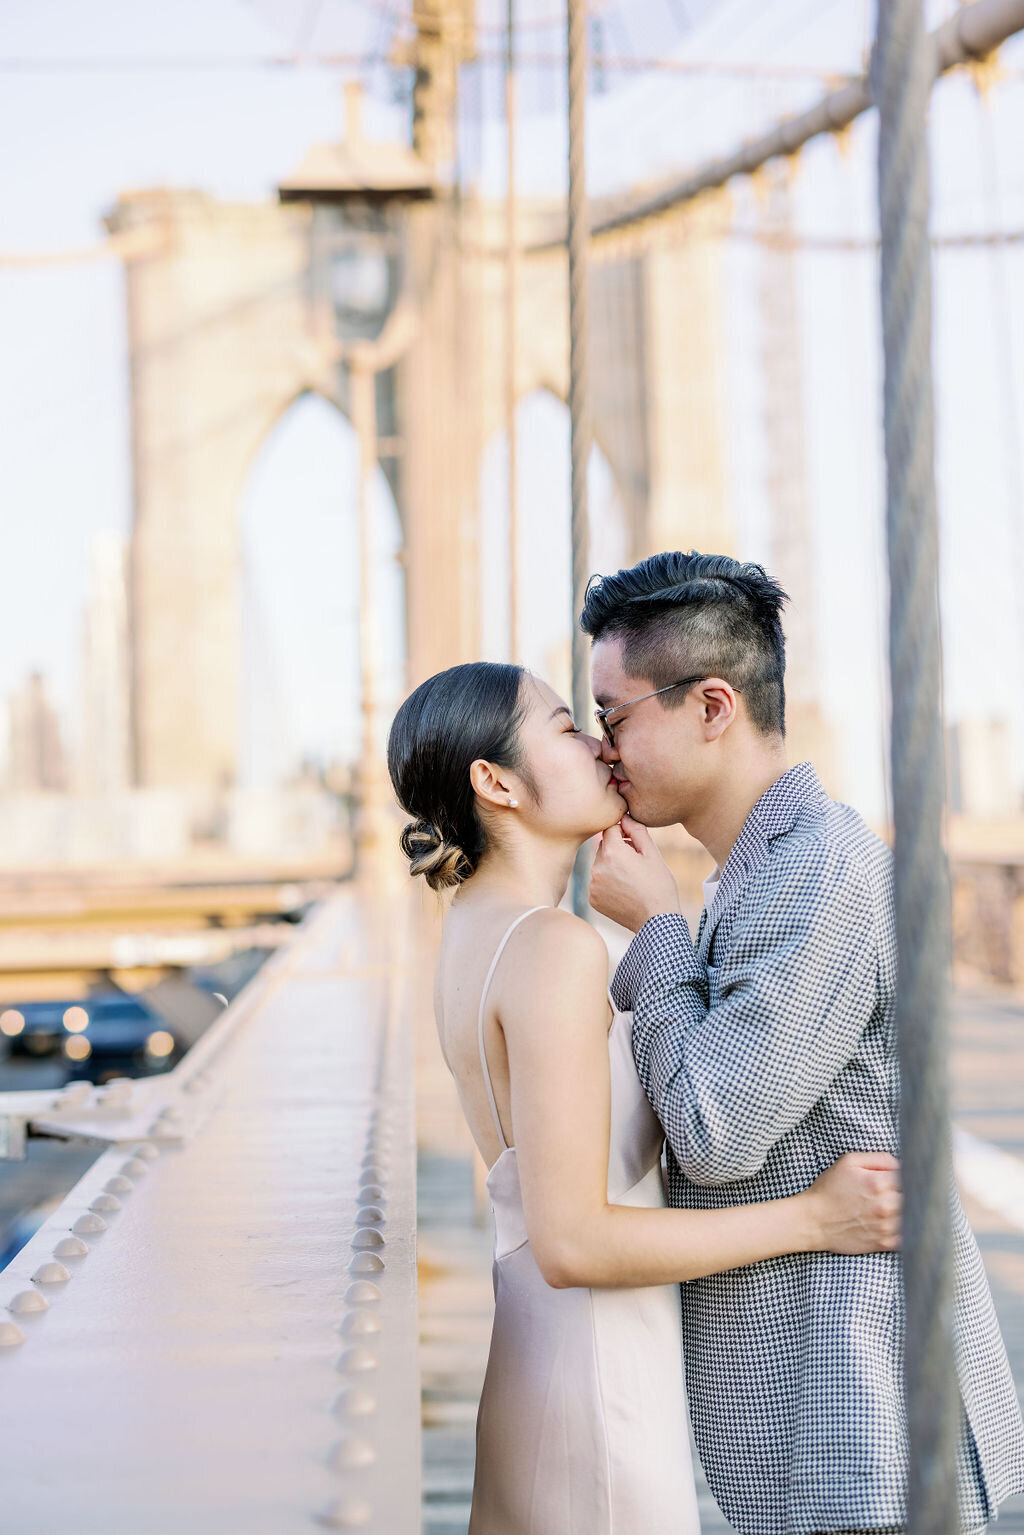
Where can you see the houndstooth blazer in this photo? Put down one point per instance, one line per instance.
(768, 1050)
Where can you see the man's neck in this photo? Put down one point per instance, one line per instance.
(718, 824)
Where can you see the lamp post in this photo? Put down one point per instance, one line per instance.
(362, 387)
(357, 190)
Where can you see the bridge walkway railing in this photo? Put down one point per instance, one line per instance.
(216, 1330)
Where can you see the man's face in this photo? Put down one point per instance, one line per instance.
(657, 755)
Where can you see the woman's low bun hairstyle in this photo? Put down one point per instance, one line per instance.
(445, 725)
(441, 863)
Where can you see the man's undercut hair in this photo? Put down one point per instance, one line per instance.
(687, 615)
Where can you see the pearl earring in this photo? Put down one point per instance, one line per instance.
(514, 804)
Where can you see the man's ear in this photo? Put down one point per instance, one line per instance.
(719, 706)
(490, 783)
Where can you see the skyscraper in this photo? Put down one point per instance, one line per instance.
(103, 765)
(36, 759)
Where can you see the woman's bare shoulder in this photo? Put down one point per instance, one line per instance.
(555, 925)
(559, 960)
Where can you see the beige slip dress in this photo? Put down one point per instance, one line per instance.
(582, 1427)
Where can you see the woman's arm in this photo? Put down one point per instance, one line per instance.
(553, 1010)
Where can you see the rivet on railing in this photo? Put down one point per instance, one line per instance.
(362, 1293)
(354, 1403)
(10, 1335)
(134, 1168)
(367, 1237)
(372, 1193)
(51, 1272)
(351, 1454)
(145, 1151)
(70, 1247)
(358, 1324)
(344, 1513)
(371, 1174)
(75, 1093)
(370, 1215)
(115, 1095)
(118, 1185)
(354, 1360)
(89, 1224)
(27, 1301)
(106, 1203)
(366, 1263)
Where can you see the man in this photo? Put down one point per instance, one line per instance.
(767, 1048)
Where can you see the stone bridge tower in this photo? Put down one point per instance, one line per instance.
(231, 319)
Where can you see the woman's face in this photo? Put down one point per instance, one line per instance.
(576, 793)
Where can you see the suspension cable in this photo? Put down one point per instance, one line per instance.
(579, 391)
(511, 329)
(904, 68)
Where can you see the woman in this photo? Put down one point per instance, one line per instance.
(582, 1428)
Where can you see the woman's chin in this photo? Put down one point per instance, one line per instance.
(613, 814)
(621, 789)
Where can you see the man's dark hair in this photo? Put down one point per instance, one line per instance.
(680, 615)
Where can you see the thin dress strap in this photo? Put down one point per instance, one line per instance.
(499, 951)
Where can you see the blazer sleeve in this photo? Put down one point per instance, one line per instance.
(731, 1070)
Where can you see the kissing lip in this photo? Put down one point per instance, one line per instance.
(620, 783)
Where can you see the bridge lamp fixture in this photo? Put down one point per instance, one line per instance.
(11, 1022)
(355, 189)
(160, 1044)
(77, 1048)
(76, 1019)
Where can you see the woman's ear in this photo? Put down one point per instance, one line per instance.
(491, 784)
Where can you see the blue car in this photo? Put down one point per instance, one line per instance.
(107, 1034)
(35, 1028)
(123, 1037)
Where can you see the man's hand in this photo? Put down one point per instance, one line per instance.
(630, 881)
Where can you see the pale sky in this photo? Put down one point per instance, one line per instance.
(72, 140)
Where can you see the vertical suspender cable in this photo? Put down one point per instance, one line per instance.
(511, 328)
(579, 391)
(903, 73)
(1007, 392)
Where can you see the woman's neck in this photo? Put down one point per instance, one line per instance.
(530, 871)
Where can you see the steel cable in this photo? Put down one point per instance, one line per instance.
(579, 383)
(903, 71)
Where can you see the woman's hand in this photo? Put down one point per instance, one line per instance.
(855, 1205)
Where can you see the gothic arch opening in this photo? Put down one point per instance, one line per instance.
(300, 599)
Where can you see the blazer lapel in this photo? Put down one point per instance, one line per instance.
(773, 816)
(748, 853)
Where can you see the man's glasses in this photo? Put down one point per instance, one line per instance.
(601, 715)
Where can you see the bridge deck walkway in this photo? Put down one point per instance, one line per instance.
(455, 1247)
